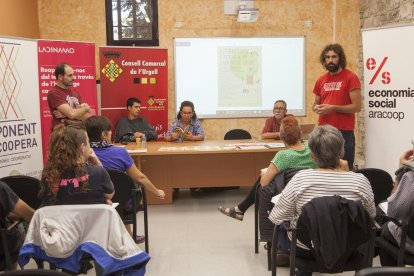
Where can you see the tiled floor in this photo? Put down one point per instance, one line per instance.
(192, 238)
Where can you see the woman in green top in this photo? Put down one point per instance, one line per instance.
(297, 155)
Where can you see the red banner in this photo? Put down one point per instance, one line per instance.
(82, 58)
(135, 72)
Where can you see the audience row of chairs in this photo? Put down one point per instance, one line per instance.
(127, 195)
(130, 198)
(382, 184)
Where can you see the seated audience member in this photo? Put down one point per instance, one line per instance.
(186, 126)
(112, 157)
(327, 147)
(297, 155)
(12, 208)
(73, 173)
(271, 129)
(134, 124)
(400, 206)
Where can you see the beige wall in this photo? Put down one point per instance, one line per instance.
(85, 21)
(19, 18)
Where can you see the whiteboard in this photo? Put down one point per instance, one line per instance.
(228, 77)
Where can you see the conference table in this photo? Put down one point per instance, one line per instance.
(212, 163)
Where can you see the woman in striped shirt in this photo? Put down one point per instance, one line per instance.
(327, 147)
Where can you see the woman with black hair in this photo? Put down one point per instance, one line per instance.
(186, 126)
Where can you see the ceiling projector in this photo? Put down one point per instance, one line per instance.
(247, 15)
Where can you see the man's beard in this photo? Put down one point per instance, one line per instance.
(332, 67)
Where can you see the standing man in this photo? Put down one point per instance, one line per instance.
(338, 97)
(64, 101)
(134, 124)
(271, 129)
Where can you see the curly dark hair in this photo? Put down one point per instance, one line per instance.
(337, 48)
(63, 159)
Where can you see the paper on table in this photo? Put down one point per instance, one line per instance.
(136, 150)
(254, 147)
(275, 145)
(384, 206)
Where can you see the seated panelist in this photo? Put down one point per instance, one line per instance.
(134, 125)
(186, 126)
(271, 130)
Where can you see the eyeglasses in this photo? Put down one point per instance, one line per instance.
(279, 108)
(186, 113)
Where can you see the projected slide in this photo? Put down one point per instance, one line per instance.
(240, 77)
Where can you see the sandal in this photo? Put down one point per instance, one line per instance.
(231, 212)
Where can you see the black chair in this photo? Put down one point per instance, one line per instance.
(26, 188)
(360, 238)
(236, 134)
(40, 272)
(385, 271)
(398, 253)
(127, 193)
(263, 206)
(381, 183)
(9, 242)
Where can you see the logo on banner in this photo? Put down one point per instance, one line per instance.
(111, 70)
(9, 106)
(371, 64)
(156, 103)
(382, 97)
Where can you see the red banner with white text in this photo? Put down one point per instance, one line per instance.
(135, 72)
(81, 56)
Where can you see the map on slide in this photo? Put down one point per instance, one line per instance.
(239, 76)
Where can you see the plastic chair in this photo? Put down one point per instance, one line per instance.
(236, 134)
(26, 187)
(350, 260)
(381, 183)
(126, 191)
(398, 253)
(385, 271)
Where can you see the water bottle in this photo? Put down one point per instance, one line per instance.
(143, 142)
